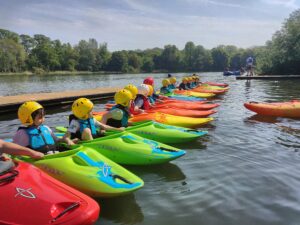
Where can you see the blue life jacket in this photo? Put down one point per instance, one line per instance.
(165, 90)
(151, 99)
(172, 86)
(119, 123)
(88, 123)
(40, 139)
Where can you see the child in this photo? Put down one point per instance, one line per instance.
(172, 83)
(35, 134)
(82, 124)
(165, 88)
(141, 101)
(119, 114)
(183, 85)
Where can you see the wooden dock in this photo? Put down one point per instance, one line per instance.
(287, 77)
(12, 103)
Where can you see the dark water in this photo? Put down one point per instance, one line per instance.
(246, 171)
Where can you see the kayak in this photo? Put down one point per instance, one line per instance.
(189, 106)
(216, 84)
(29, 196)
(181, 121)
(232, 73)
(183, 112)
(194, 94)
(282, 109)
(209, 90)
(88, 171)
(185, 98)
(159, 132)
(130, 149)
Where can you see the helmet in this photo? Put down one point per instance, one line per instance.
(173, 80)
(123, 97)
(151, 90)
(143, 89)
(185, 79)
(82, 107)
(133, 89)
(25, 112)
(149, 80)
(165, 82)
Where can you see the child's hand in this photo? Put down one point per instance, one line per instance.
(36, 155)
(121, 128)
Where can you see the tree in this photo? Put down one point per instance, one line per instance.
(118, 62)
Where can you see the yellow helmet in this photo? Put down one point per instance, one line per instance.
(133, 89)
(165, 82)
(25, 112)
(185, 79)
(173, 80)
(82, 107)
(151, 90)
(123, 97)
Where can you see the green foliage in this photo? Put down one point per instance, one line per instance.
(39, 53)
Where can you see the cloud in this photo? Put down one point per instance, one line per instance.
(285, 3)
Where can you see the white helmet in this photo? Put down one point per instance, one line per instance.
(143, 89)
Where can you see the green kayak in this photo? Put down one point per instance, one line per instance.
(88, 171)
(130, 149)
(159, 132)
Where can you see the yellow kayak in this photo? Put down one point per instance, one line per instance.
(180, 121)
(194, 94)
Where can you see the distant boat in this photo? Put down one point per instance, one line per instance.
(232, 73)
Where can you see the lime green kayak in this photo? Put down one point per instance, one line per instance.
(163, 133)
(88, 171)
(159, 132)
(130, 149)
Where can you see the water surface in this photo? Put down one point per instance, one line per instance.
(246, 171)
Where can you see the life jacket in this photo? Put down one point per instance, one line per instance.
(146, 104)
(188, 85)
(88, 123)
(40, 139)
(119, 123)
(151, 99)
(172, 86)
(165, 90)
(182, 86)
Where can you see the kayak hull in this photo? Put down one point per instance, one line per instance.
(89, 171)
(164, 133)
(130, 149)
(32, 191)
(168, 119)
(280, 109)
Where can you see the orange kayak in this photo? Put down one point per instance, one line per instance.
(203, 90)
(282, 109)
(216, 84)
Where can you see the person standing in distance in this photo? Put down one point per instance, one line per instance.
(249, 66)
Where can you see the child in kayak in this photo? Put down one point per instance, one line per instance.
(172, 83)
(165, 88)
(82, 124)
(14, 149)
(34, 134)
(119, 114)
(141, 101)
(183, 84)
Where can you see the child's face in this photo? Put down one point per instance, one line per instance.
(91, 114)
(39, 119)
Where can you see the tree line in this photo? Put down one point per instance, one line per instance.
(40, 54)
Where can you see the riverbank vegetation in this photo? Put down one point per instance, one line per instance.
(39, 54)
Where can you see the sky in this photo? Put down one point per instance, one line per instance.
(143, 24)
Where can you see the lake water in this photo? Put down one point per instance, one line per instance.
(245, 171)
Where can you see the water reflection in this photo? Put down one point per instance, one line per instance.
(121, 210)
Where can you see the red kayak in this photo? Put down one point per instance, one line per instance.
(282, 109)
(190, 105)
(29, 196)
